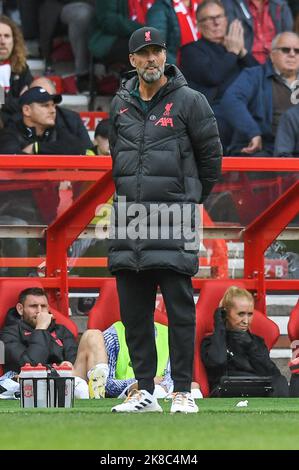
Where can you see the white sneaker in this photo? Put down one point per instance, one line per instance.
(183, 402)
(138, 401)
(97, 382)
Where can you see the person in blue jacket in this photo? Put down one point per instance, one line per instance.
(254, 103)
(213, 62)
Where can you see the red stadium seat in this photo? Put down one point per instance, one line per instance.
(293, 328)
(106, 311)
(210, 296)
(9, 293)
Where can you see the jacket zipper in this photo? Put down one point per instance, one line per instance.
(141, 147)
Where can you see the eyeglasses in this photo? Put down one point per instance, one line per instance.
(287, 50)
(211, 19)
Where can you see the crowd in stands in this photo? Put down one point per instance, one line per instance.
(232, 51)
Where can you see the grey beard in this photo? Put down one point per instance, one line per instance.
(150, 77)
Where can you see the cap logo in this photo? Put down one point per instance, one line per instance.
(42, 90)
(147, 36)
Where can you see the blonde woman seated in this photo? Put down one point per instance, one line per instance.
(232, 350)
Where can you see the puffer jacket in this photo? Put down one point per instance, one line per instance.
(170, 156)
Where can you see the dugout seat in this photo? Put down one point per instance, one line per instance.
(9, 293)
(293, 327)
(210, 295)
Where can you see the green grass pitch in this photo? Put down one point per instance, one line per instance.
(264, 424)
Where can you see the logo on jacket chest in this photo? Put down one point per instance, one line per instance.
(57, 340)
(166, 120)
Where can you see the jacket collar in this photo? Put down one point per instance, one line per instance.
(30, 132)
(269, 69)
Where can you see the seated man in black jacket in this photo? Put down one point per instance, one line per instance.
(65, 118)
(36, 132)
(233, 351)
(31, 335)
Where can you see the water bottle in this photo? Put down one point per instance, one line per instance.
(52, 380)
(26, 385)
(40, 373)
(66, 372)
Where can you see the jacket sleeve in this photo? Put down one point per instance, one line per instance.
(207, 148)
(66, 144)
(82, 133)
(286, 136)
(70, 347)
(112, 127)
(213, 347)
(201, 68)
(259, 358)
(248, 61)
(235, 104)
(287, 21)
(9, 142)
(110, 20)
(17, 354)
(73, 124)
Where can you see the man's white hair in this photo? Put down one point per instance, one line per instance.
(275, 40)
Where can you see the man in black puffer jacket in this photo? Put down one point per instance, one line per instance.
(166, 158)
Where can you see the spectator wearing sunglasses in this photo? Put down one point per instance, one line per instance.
(254, 103)
(262, 20)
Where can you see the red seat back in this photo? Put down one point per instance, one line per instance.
(210, 296)
(106, 310)
(293, 328)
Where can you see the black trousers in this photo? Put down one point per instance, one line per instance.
(137, 296)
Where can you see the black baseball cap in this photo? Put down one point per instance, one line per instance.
(145, 37)
(37, 94)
